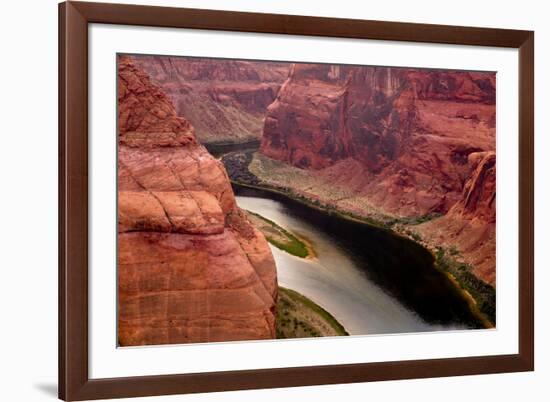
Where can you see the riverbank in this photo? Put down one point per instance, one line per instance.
(218, 149)
(462, 280)
(236, 164)
(280, 237)
(481, 294)
(300, 317)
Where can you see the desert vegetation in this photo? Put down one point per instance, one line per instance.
(280, 237)
(300, 317)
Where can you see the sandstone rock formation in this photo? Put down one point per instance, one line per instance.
(403, 142)
(470, 224)
(225, 100)
(191, 268)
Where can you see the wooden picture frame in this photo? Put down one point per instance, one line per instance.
(74, 381)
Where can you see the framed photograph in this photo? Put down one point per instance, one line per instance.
(259, 200)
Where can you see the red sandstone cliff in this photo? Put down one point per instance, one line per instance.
(400, 141)
(225, 100)
(470, 224)
(191, 268)
(411, 137)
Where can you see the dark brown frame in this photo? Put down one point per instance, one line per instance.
(74, 383)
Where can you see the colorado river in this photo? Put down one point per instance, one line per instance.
(344, 280)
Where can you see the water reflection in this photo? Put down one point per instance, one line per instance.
(334, 280)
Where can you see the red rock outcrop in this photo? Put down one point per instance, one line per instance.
(470, 225)
(411, 130)
(479, 194)
(191, 268)
(403, 141)
(225, 100)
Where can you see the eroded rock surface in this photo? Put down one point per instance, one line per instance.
(191, 268)
(225, 100)
(470, 224)
(396, 141)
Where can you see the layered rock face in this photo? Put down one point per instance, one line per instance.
(403, 142)
(470, 224)
(328, 113)
(225, 100)
(191, 268)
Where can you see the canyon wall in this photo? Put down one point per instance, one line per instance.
(191, 268)
(402, 142)
(470, 224)
(225, 100)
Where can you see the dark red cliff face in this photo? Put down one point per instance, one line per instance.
(411, 130)
(363, 112)
(404, 142)
(327, 113)
(470, 224)
(225, 100)
(456, 86)
(191, 268)
(479, 193)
